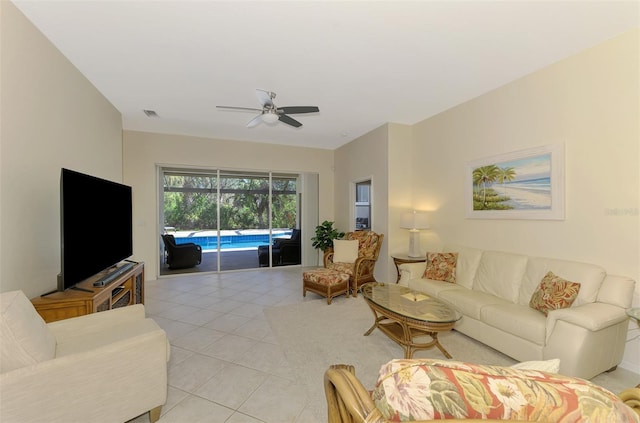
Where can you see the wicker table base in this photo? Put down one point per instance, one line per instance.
(403, 329)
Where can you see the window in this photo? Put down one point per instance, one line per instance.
(363, 206)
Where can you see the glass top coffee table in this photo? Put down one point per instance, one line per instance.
(404, 314)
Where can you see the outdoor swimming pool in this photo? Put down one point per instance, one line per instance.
(230, 242)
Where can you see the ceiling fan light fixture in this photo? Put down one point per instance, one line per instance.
(270, 114)
(270, 117)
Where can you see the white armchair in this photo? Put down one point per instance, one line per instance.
(104, 367)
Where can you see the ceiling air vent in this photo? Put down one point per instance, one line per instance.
(150, 113)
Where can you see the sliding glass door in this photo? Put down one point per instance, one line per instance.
(285, 214)
(235, 216)
(244, 218)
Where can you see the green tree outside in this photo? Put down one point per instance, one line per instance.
(190, 202)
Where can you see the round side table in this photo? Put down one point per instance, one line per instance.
(399, 259)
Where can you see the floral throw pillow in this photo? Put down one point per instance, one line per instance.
(554, 293)
(441, 267)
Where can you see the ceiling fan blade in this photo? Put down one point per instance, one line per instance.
(289, 121)
(264, 97)
(298, 109)
(253, 109)
(255, 121)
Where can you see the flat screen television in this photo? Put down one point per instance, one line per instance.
(96, 230)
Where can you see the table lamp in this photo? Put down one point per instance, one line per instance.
(414, 222)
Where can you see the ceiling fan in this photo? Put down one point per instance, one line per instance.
(270, 113)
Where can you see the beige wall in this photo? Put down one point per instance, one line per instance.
(52, 117)
(589, 102)
(400, 192)
(362, 159)
(144, 151)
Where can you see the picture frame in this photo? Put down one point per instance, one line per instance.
(524, 184)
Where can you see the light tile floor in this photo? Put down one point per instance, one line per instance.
(226, 364)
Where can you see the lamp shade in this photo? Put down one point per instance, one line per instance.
(414, 220)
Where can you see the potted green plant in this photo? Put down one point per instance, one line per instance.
(325, 234)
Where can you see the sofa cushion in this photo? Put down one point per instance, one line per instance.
(554, 293)
(410, 271)
(108, 336)
(467, 264)
(468, 302)
(431, 287)
(441, 267)
(500, 274)
(26, 339)
(423, 389)
(517, 320)
(589, 276)
(345, 250)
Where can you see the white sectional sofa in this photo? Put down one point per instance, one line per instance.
(493, 289)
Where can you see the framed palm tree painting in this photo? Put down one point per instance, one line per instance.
(525, 184)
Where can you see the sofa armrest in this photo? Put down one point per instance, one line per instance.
(617, 291)
(121, 380)
(592, 316)
(411, 271)
(94, 322)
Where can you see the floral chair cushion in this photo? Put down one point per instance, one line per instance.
(325, 277)
(423, 389)
(554, 293)
(367, 242)
(342, 267)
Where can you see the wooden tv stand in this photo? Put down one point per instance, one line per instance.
(127, 289)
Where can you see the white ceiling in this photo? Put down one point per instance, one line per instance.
(362, 63)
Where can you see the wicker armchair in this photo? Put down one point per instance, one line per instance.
(361, 271)
(349, 402)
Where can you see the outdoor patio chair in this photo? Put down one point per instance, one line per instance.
(290, 248)
(284, 251)
(361, 270)
(180, 256)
